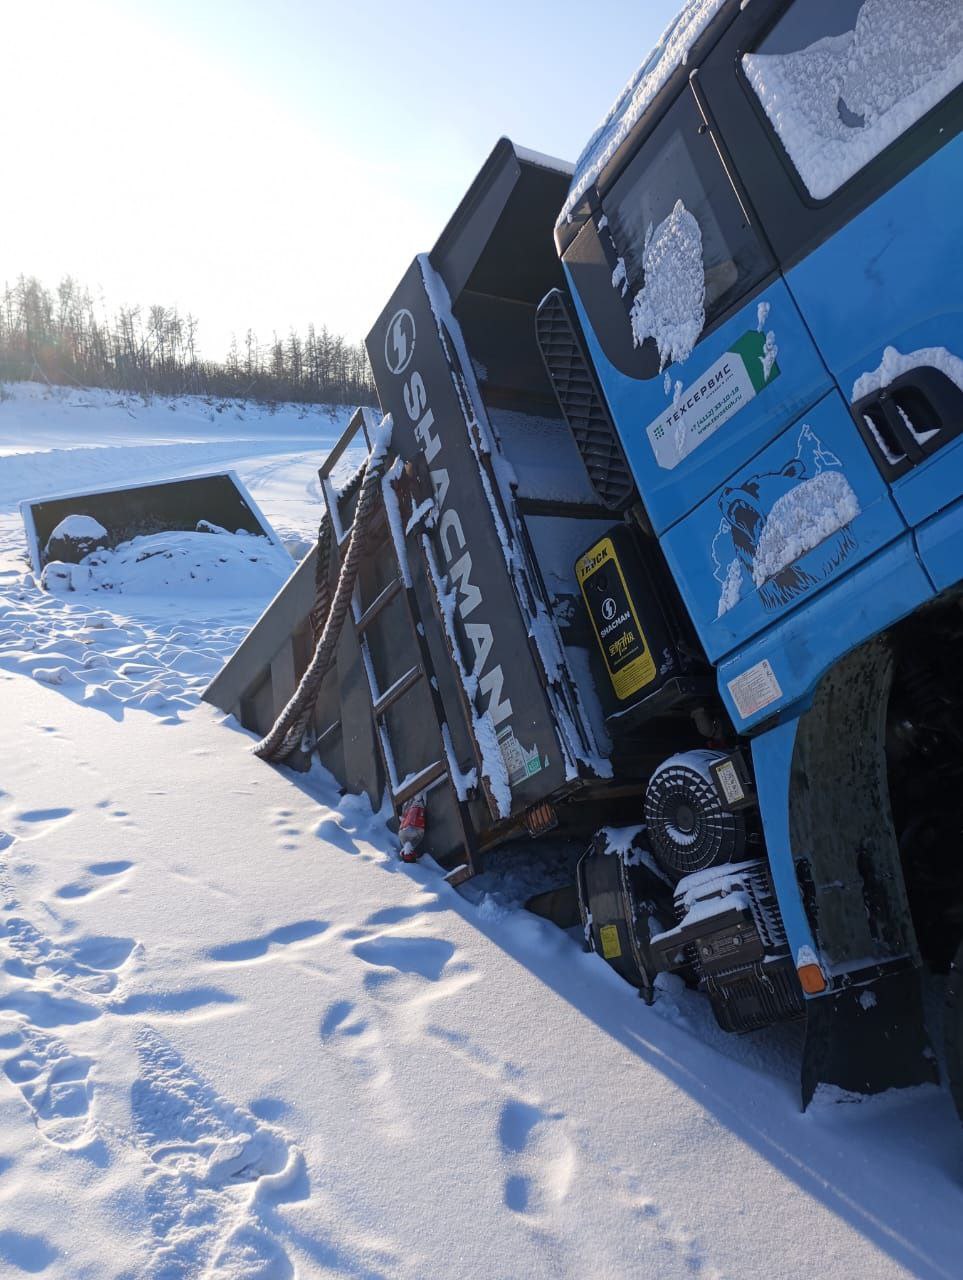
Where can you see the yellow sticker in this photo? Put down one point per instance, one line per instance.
(617, 629)
(611, 947)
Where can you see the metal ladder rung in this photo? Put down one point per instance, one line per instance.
(431, 773)
(380, 601)
(397, 690)
(326, 733)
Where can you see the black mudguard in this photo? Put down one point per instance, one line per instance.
(868, 1036)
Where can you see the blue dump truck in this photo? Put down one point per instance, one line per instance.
(663, 529)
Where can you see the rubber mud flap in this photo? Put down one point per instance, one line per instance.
(868, 1038)
(953, 1031)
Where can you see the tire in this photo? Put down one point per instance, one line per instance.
(953, 1030)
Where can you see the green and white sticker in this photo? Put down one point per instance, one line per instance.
(521, 762)
(700, 410)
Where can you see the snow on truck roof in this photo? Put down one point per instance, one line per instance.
(669, 54)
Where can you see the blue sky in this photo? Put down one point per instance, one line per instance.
(270, 164)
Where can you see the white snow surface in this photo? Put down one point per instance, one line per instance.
(238, 1038)
(670, 306)
(213, 563)
(842, 100)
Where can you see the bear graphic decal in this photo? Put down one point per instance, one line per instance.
(784, 531)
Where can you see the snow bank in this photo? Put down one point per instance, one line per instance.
(842, 100)
(212, 564)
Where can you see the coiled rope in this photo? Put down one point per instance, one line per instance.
(288, 733)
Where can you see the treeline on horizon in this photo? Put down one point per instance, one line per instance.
(60, 336)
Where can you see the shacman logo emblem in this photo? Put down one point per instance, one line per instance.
(608, 609)
(400, 341)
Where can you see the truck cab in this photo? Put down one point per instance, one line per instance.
(760, 356)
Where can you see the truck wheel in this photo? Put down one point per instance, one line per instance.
(953, 1030)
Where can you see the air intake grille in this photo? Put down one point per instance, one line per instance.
(581, 401)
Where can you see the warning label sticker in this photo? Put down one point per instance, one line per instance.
(521, 762)
(609, 937)
(755, 689)
(627, 658)
(729, 781)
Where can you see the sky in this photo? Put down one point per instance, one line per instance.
(264, 165)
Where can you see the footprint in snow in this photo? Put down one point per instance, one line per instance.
(289, 834)
(89, 966)
(201, 1150)
(32, 824)
(540, 1154)
(114, 812)
(346, 1030)
(410, 970)
(285, 935)
(359, 1043)
(105, 874)
(54, 1084)
(42, 1009)
(26, 1252)
(426, 957)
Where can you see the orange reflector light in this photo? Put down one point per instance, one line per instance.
(811, 979)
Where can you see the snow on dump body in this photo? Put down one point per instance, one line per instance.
(543, 457)
(841, 100)
(211, 562)
(669, 54)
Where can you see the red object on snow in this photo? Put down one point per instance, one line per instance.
(411, 830)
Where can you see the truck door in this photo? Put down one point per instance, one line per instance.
(724, 407)
(863, 204)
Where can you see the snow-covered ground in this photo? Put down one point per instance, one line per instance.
(239, 1038)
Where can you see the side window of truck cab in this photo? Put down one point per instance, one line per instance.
(684, 250)
(685, 315)
(840, 81)
(669, 251)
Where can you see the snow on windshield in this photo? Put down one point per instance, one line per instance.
(839, 102)
(670, 306)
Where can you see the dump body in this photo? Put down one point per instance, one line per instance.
(461, 657)
(129, 511)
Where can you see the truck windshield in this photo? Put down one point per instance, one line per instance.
(842, 79)
(686, 252)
